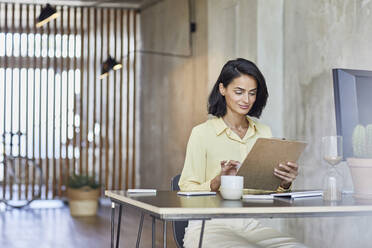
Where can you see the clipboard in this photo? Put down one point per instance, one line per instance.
(266, 154)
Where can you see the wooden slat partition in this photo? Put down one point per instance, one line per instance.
(27, 107)
(19, 103)
(57, 113)
(11, 132)
(61, 161)
(95, 27)
(81, 112)
(69, 89)
(5, 28)
(46, 105)
(128, 104)
(100, 176)
(107, 144)
(40, 160)
(33, 123)
(54, 173)
(114, 106)
(134, 100)
(87, 95)
(121, 102)
(74, 95)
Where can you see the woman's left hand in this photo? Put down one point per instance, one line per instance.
(287, 172)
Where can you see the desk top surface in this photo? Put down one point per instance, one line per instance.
(169, 205)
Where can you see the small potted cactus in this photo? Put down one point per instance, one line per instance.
(361, 164)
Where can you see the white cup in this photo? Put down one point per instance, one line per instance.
(232, 204)
(232, 187)
(232, 182)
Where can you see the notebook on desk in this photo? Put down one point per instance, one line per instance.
(266, 154)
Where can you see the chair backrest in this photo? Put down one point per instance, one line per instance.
(178, 226)
(174, 182)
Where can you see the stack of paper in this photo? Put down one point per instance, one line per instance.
(195, 193)
(299, 194)
(257, 197)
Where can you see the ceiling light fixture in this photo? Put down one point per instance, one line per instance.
(108, 65)
(47, 14)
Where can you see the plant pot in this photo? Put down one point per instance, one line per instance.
(83, 201)
(361, 173)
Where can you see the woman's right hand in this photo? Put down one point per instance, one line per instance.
(227, 168)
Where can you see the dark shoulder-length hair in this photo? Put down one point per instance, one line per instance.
(231, 70)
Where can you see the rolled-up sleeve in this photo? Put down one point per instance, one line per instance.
(193, 177)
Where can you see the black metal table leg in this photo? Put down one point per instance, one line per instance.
(201, 234)
(165, 234)
(112, 223)
(153, 231)
(139, 230)
(118, 229)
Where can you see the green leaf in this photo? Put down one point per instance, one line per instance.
(79, 181)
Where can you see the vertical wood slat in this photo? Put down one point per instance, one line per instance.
(27, 107)
(114, 111)
(41, 162)
(81, 117)
(101, 110)
(60, 162)
(94, 93)
(11, 104)
(46, 115)
(5, 105)
(19, 132)
(33, 177)
(128, 103)
(74, 95)
(107, 161)
(134, 101)
(87, 97)
(54, 174)
(121, 103)
(68, 142)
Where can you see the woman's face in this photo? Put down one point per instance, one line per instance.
(240, 94)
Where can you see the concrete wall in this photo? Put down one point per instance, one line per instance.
(240, 28)
(270, 60)
(318, 36)
(173, 78)
(231, 33)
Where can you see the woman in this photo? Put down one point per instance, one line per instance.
(218, 146)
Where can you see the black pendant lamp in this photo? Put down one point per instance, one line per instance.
(108, 65)
(47, 14)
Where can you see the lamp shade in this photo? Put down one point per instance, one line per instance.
(108, 65)
(47, 14)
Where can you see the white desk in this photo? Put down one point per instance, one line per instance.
(168, 206)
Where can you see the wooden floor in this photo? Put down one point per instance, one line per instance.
(49, 224)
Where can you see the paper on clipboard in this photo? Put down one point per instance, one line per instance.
(266, 154)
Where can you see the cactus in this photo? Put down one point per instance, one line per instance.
(362, 141)
(369, 140)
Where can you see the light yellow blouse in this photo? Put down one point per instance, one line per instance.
(209, 144)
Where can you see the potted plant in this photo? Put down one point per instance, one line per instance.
(83, 193)
(361, 164)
